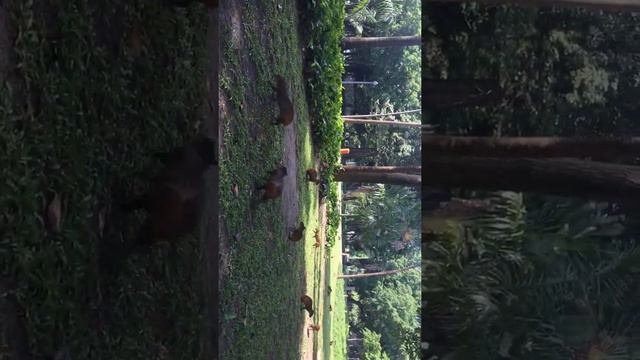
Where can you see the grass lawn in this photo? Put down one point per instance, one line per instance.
(100, 97)
(264, 274)
(334, 323)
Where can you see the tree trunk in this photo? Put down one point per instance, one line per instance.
(441, 93)
(600, 149)
(408, 169)
(360, 152)
(347, 120)
(380, 273)
(371, 174)
(391, 41)
(385, 114)
(610, 5)
(562, 177)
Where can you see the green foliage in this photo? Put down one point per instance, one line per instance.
(371, 348)
(547, 285)
(383, 217)
(326, 64)
(391, 310)
(411, 343)
(398, 73)
(370, 13)
(354, 316)
(563, 71)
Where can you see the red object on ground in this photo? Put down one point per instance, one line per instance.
(344, 151)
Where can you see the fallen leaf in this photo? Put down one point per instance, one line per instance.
(53, 213)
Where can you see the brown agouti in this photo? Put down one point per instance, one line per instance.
(285, 104)
(273, 187)
(172, 211)
(307, 304)
(312, 175)
(186, 162)
(296, 234)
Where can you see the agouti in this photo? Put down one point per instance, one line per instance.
(174, 200)
(307, 304)
(273, 187)
(312, 175)
(186, 162)
(172, 211)
(285, 104)
(296, 234)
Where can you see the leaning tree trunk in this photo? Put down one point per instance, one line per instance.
(360, 152)
(562, 177)
(391, 41)
(394, 175)
(623, 150)
(380, 273)
(348, 120)
(610, 5)
(408, 169)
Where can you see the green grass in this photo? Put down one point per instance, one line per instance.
(260, 297)
(267, 273)
(334, 323)
(95, 115)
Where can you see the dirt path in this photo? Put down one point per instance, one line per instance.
(290, 189)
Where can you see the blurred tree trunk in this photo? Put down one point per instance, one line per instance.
(562, 177)
(622, 150)
(395, 175)
(390, 41)
(380, 273)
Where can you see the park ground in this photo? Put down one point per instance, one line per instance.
(263, 274)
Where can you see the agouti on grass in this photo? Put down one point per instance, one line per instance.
(296, 234)
(312, 176)
(285, 105)
(272, 189)
(174, 200)
(172, 211)
(307, 304)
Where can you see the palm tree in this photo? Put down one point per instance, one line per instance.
(368, 12)
(555, 279)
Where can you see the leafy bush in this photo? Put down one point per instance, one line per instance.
(326, 64)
